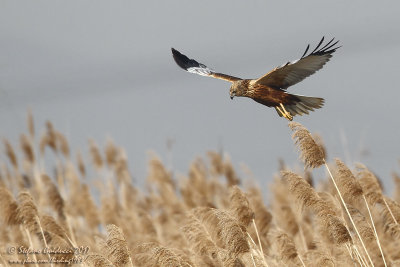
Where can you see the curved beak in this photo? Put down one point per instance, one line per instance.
(231, 96)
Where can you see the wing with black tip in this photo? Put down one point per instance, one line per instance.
(191, 65)
(293, 72)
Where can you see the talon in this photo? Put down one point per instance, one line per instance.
(280, 111)
(285, 114)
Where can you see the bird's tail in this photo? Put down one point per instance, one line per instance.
(302, 104)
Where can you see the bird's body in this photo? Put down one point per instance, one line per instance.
(260, 93)
(270, 90)
(287, 105)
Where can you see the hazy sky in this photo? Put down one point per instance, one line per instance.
(104, 69)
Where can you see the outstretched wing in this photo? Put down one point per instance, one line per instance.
(193, 66)
(293, 72)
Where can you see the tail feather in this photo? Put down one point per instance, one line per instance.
(303, 104)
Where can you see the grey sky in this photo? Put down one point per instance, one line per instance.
(104, 68)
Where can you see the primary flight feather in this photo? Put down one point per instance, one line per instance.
(270, 89)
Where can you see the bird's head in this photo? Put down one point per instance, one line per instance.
(232, 91)
(237, 89)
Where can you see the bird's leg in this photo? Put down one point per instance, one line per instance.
(280, 111)
(284, 112)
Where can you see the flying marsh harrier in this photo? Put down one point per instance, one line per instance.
(270, 89)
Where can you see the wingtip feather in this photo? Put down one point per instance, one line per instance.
(305, 52)
(180, 58)
(320, 42)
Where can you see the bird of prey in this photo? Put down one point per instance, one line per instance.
(270, 89)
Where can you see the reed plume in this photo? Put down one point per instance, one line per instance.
(305, 194)
(199, 239)
(8, 208)
(111, 152)
(318, 140)
(27, 148)
(313, 258)
(334, 229)
(10, 153)
(110, 209)
(393, 211)
(121, 168)
(310, 152)
(230, 173)
(369, 236)
(28, 212)
(217, 162)
(347, 182)
(90, 212)
(50, 225)
(97, 260)
(325, 213)
(370, 185)
(43, 143)
(81, 164)
(312, 155)
(353, 192)
(51, 139)
(286, 248)
(159, 174)
(372, 189)
(264, 217)
(152, 254)
(240, 207)
(363, 226)
(392, 230)
(282, 209)
(199, 219)
(117, 247)
(30, 124)
(54, 197)
(62, 144)
(224, 230)
(97, 159)
(147, 224)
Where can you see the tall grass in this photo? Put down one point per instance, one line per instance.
(203, 218)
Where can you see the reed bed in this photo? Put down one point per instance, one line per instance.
(88, 211)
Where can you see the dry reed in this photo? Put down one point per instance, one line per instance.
(312, 155)
(117, 248)
(27, 148)
(286, 248)
(240, 207)
(202, 218)
(54, 199)
(8, 208)
(10, 153)
(310, 152)
(350, 188)
(225, 230)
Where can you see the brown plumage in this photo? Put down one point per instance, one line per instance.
(270, 89)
